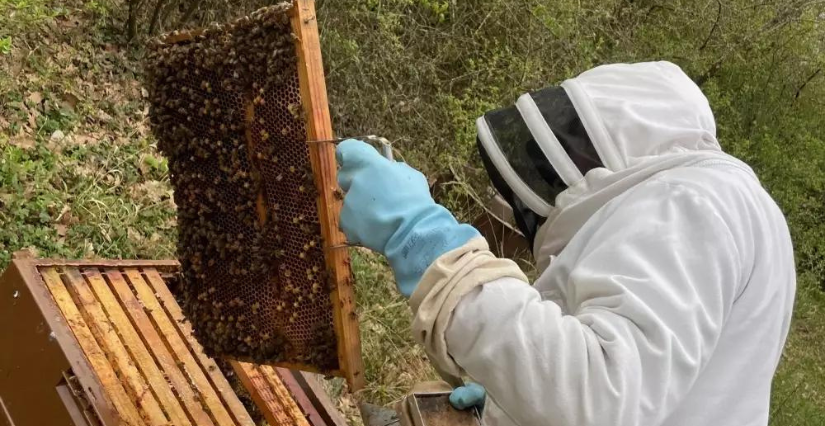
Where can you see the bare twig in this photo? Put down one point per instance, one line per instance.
(131, 20)
(781, 19)
(153, 24)
(715, 25)
(808, 80)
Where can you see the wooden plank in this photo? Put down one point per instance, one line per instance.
(271, 404)
(161, 265)
(97, 358)
(300, 396)
(185, 328)
(48, 358)
(104, 331)
(322, 157)
(283, 394)
(314, 389)
(179, 347)
(136, 346)
(175, 375)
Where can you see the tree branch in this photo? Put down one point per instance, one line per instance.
(715, 25)
(808, 80)
(131, 20)
(153, 24)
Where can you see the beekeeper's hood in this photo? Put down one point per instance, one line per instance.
(561, 153)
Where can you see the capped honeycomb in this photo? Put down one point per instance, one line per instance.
(226, 109)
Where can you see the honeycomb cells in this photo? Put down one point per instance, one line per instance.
(226, 110)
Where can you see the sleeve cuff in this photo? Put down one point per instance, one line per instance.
(444, 283)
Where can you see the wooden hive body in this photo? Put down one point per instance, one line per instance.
(105, 343)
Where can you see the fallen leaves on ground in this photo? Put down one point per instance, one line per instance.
(23, 142)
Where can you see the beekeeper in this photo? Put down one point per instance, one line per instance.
(666, 271)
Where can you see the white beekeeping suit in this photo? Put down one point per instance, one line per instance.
(667, 273)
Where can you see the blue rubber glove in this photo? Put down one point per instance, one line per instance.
(469, 395)
(388, 209)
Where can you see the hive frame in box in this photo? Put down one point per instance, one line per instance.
(67, 326)
(313, 94)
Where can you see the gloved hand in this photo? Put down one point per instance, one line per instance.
(388, 209)
(469, 395)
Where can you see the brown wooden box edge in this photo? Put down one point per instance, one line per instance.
(46, 378)
(37, 345)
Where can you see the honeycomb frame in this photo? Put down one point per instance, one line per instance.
(263, 276)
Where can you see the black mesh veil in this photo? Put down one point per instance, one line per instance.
(521, 165)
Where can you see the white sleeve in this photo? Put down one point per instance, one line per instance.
(648, 286)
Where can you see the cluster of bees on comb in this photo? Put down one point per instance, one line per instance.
(226, 110)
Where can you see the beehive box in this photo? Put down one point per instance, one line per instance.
(105, 343)
(233, 107)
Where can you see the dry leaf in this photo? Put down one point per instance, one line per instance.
(88, 249)
(33, 118)
(67, 21)
(143, 167)
(35, 98)
(66, 217)
(70, 100)
(4, 124)
(61, 230)
(30, 252)
(154, 191)
(23, 142)
(133, 235)
(86, 139)
(103, 116)
(16, 67)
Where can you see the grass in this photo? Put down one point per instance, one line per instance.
(80, 176)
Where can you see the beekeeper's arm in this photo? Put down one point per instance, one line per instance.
(652, 279)
(388, 208)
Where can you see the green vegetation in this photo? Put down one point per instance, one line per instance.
(80, 176)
